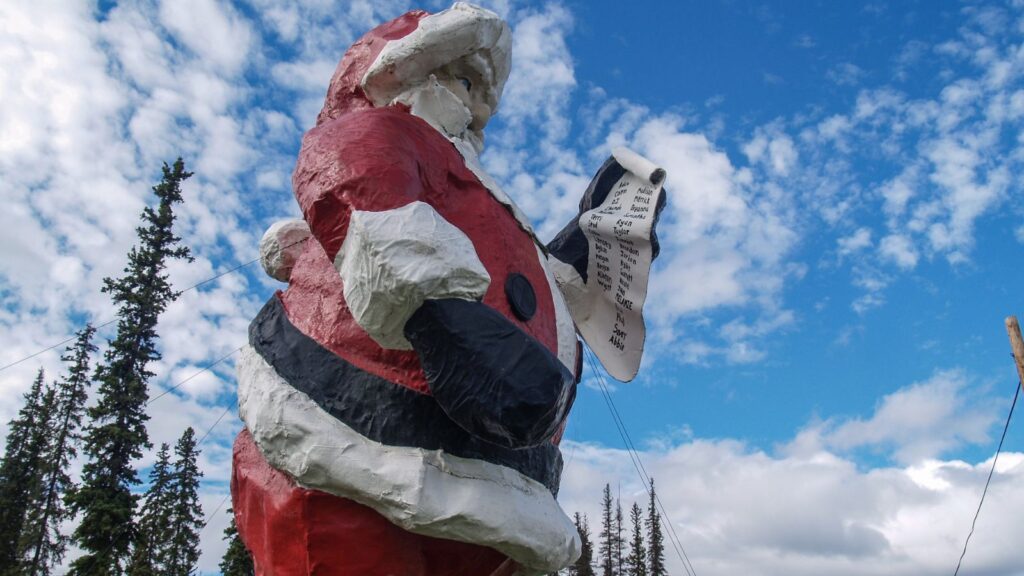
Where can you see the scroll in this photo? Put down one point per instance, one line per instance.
(609, 248)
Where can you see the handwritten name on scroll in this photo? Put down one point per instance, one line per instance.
(619, 234)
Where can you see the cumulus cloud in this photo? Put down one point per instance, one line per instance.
(738, 510)
(93, 103)
(845, 74)
(899, 250)
(855, 242)
(810, 507)
(925, 420)
(726, 237)
(773, 148)
(942, 160)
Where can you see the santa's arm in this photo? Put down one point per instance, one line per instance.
(358, 183)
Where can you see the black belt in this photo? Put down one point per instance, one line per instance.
(379, 409)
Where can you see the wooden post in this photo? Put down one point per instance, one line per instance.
(1017, 344)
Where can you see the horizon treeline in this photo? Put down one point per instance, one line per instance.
(118, 530)
(121, 532)
(633, 549)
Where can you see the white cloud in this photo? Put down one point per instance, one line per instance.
(92, 106)
(210, 29)
(899, 250)
(810, 508)
(774, 148)
(845, 74)
(942, 157)
(726, 238)
(738, 510)
(855, 242)
(898, 192)
(925, 420)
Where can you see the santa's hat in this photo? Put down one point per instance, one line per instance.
(400, 54)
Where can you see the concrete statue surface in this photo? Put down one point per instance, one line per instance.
(405, 396)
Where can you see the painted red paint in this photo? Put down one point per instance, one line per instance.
(381, 159)
(292, 531)
(344, 93)
(359, 157)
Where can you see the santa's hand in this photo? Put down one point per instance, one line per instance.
(494, 380)
(281, 246)
(392, 261)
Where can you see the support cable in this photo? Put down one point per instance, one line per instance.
(629, 440)
(109, 322)
(48, 348)
(126, 527)
(991, 471)
(210, 517)
(638, 464)
(205, 369)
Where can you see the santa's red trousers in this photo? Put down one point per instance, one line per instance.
(292, 531)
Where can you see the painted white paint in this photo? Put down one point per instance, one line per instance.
(393, 260)
(427, 492)
(638, 165)
(563, 319)
(439, 107)
(281, 246)
(572, 287)
(461, 31)
(608, 307)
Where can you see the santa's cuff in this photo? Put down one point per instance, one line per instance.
(393, 260)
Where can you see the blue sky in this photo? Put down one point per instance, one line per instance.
(826, 372)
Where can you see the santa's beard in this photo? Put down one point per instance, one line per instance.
(443, 110)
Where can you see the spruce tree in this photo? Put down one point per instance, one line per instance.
(606, 549)
(237, 560)
(154, 526)
(584, 565)
(21, 471)
(655, 540)
(45, 543)
(116, 435)
(186, 515)
(636, 562)
(617, 538)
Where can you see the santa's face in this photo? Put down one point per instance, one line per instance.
(466, 81)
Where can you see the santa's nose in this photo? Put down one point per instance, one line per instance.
(491, 378)
(481, 115)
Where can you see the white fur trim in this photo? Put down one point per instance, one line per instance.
(440, 39)
(428, 492)
(573, 290)
(281, 246)
(439, 107)
(393, 260)
(563, 319)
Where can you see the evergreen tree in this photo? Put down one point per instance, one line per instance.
(45, 543)
(606, 550)
(21, 471)
(182, 547)
(117, 435)
(154, 526)
(237, 560)
(655, 540)
(636, 562)
(617, 538)
(584, 565)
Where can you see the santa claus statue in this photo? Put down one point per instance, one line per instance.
(404, 397)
